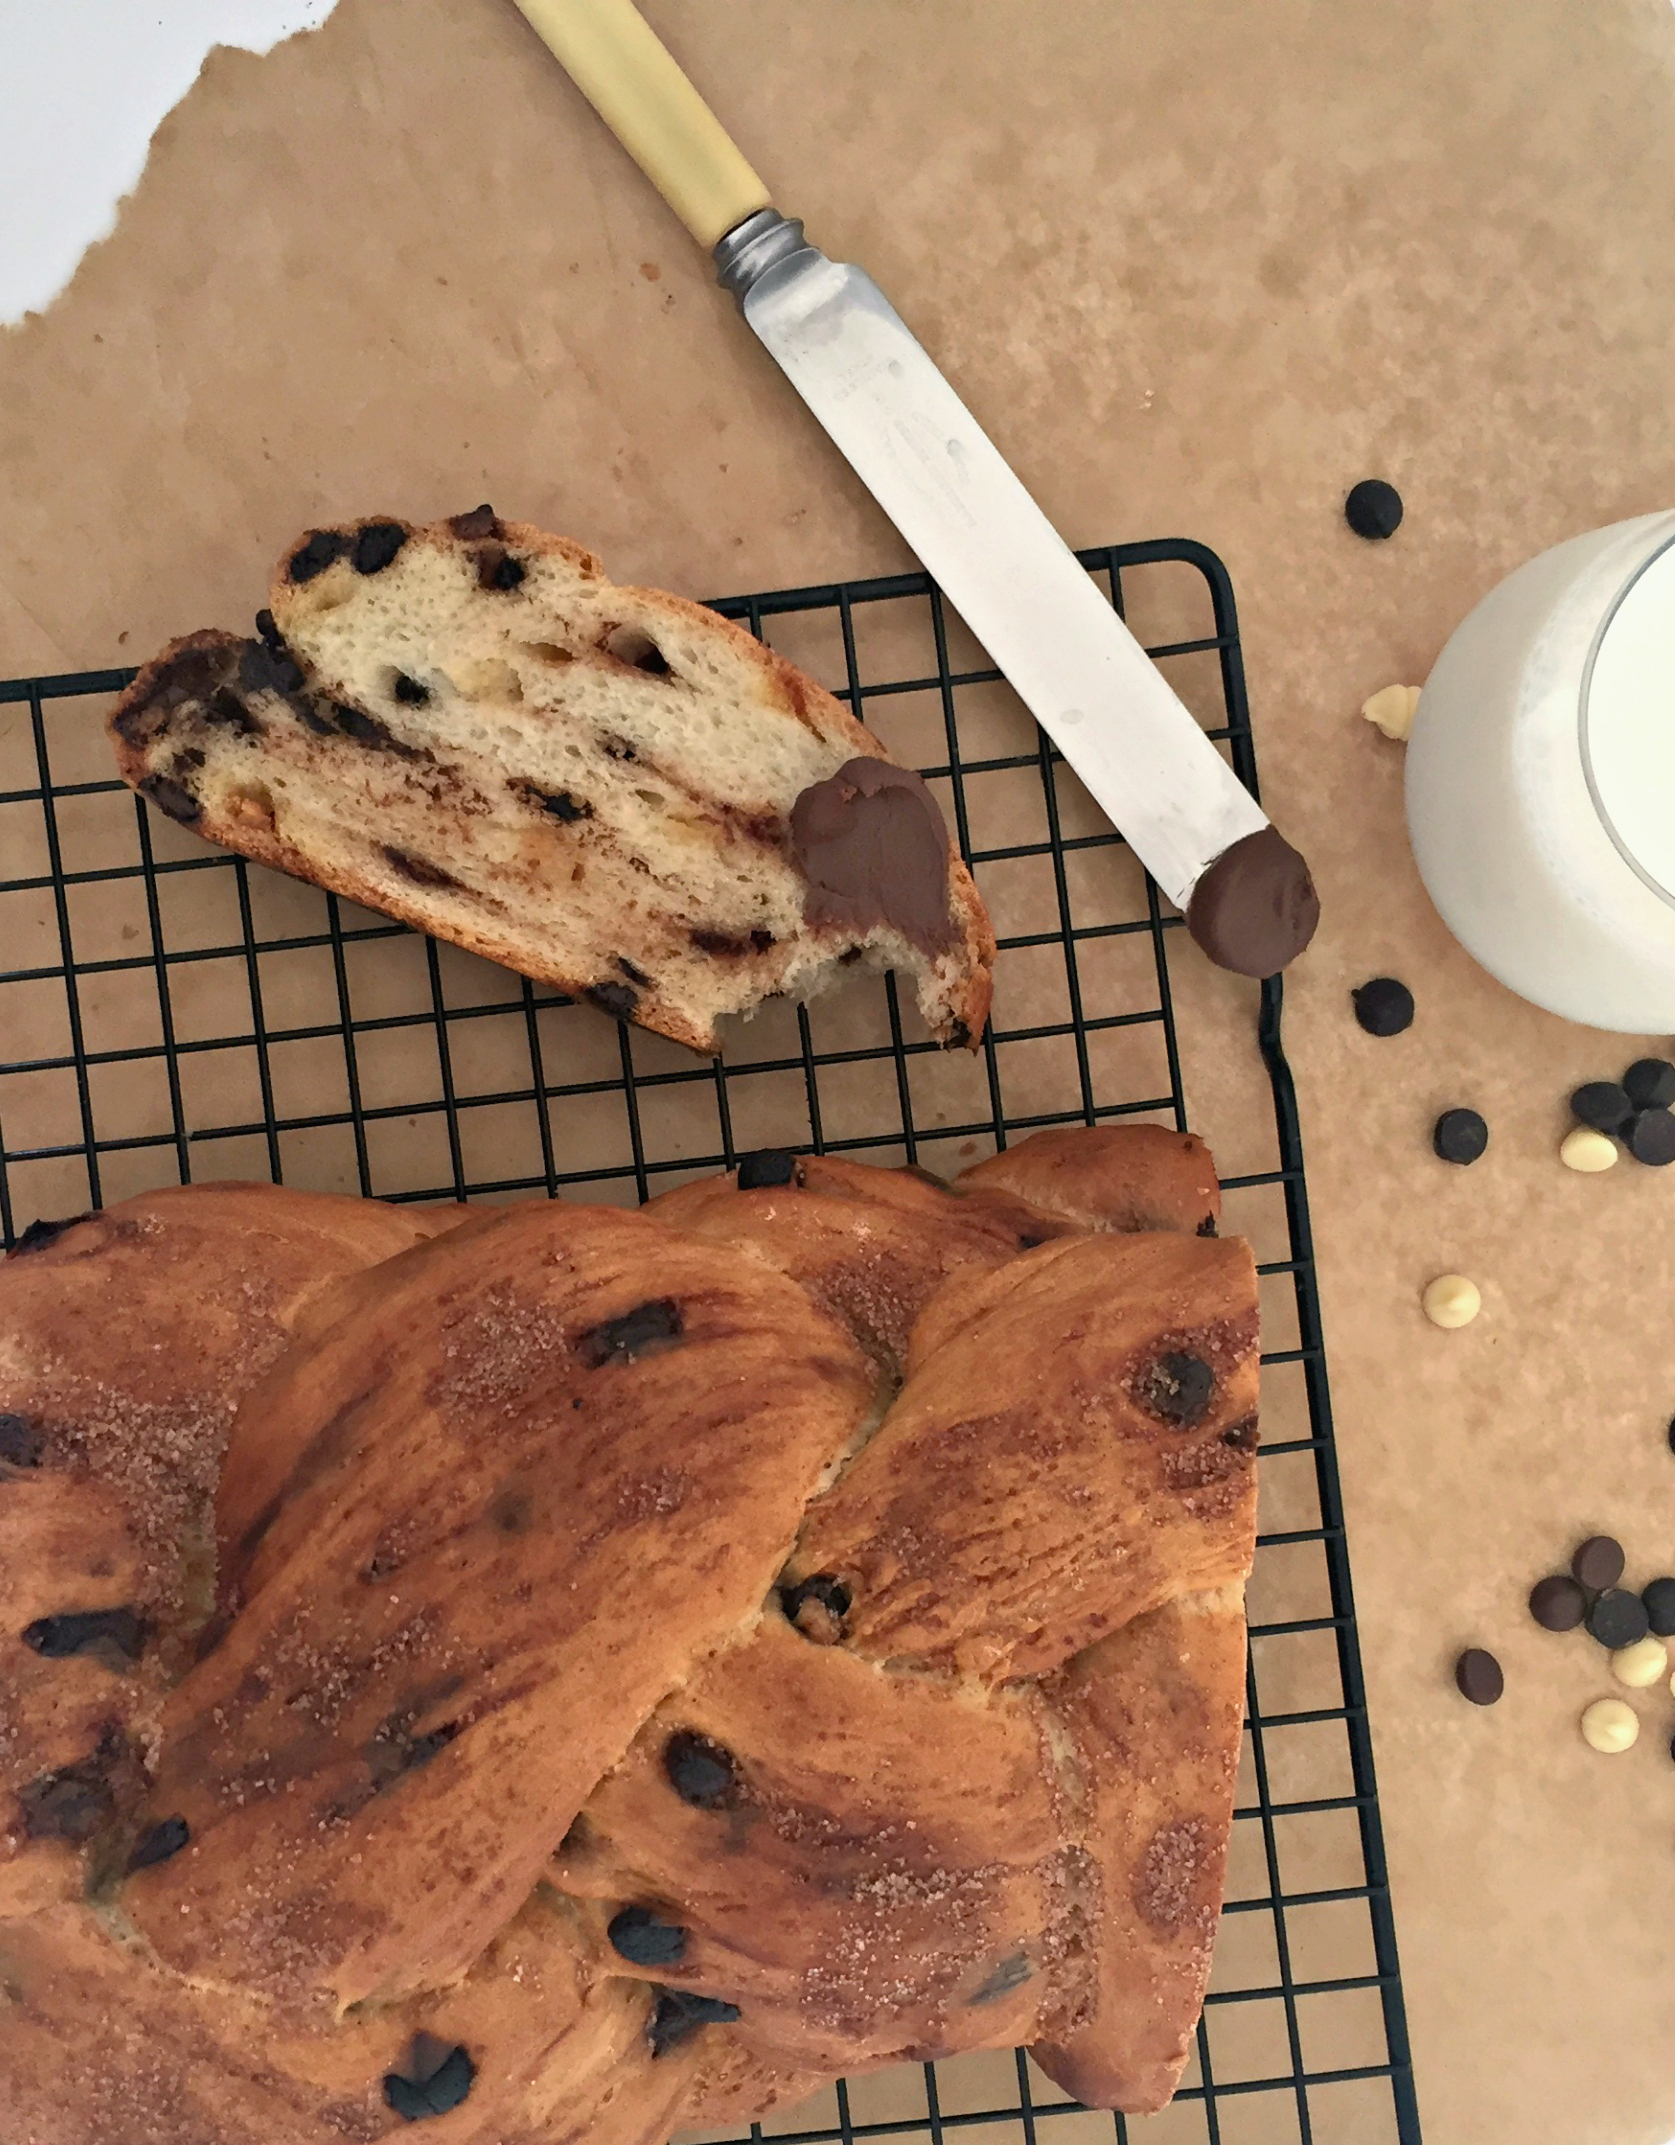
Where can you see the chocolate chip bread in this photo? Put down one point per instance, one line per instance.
(662, 1661)
(609, 789)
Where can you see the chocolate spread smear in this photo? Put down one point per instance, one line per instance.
(1255, 909)
(872, 846)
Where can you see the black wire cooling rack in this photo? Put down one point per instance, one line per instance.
(168, 1012)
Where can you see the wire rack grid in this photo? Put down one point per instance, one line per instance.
(170, 1013)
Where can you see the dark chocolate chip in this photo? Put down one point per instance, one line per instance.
(21, 1444)
(1659, 1598)
(74, 1802)
(409, 691)
(1242, 1437)
(1207, 1227)
(646, 1939)
(1598, 1563)
(1179, 1388)
(614, 998)
(1618, 1618)
(767, 1168)
(701, 1772)
(1672, 1434)
(268, 631)
(1558, 1603)
(438, 2091)
(419, 869)
(636, 1333)
(356, 723)
(1384, 1006)
(269, 668)
(679, 2013)
(1603, 1105)
(559, 803)
(322, 549)
(40, 1234)
(1373, 508)
(1650, 1138)
(959, 1036)
(118, 1631)
(726, 945)
(634, 975)
(1649, 1083)
(817, 1607)
(1010, 1974)
(480, 521)
(226, 711)
(171, 797)
(1459, 1136)
(617, 748)
(1478, 1675)
(376, 545)
(496, 568)
(160, 1843)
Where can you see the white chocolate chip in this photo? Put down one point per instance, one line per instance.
(1392, 710)
(1587, 1150)
(1611, 1725)
(1452, 1300)
(1641, 1665)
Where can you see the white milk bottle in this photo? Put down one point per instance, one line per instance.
(1541, 779)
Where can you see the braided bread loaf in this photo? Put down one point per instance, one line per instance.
(657, 1662)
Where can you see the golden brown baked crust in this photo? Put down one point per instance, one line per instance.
(617, 1696)
(1124, 1177)
(126, 1337)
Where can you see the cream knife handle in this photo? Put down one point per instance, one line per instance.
(622, 68)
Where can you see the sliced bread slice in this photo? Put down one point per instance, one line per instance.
(613, 790)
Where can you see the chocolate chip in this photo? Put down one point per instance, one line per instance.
(559, 803)
(1659, 1598)
(1459, 1136)
(767, 1168)
(679, 2012)
(171, 797)
(1618, 1619)
(40, 1234)
(614, 998)
(1384, 1006)
(634, 975)
(1179, 1388)
(419, 869)
(1242, 1437)
(1478, 1675)
(646, 1939)
(496, 568)
(74, 1802)
(356, 723)
(1603, 1105)
(226, 711)
(322, 548)
(160, 1843)
(1373, 508)
(409, 691)
(436, 2090)
(1207, 1227)
(1010, 1974)
(959, 1036)
(1649, 1083)
(269, 667)
(617, 748)
(728, 945)
(268, 631)
(1598, 1563)
(21, 1444)
(479, 522)
(1650, 1138)
(118, 1631)
(1558, 1603)
(701, 1772)
(817, 1607)
(376, 545)
(636, 1333)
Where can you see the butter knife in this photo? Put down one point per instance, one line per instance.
(1245, 891)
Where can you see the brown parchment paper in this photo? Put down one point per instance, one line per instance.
(1199, 267)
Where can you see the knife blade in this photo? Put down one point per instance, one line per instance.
(1246, 893)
